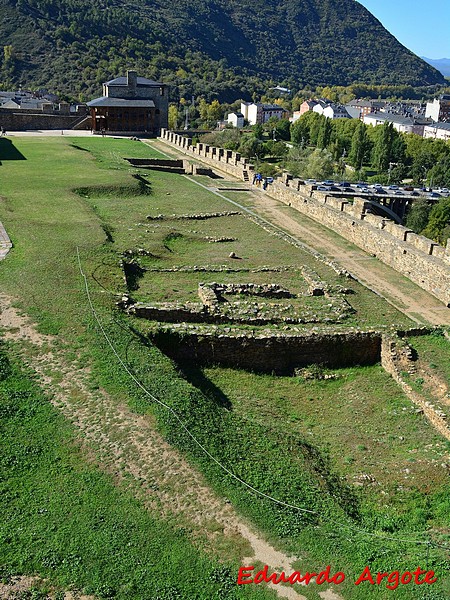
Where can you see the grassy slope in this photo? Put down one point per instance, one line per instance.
(46, 221)
(65, 520)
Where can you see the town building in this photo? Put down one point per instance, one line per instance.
(437, 131)
(320, 106)
(439, 109)
(358, 109)
(306, 106)
(400, 123)
(236, 119)
(335, 111)
(131, 104)
(260, 113)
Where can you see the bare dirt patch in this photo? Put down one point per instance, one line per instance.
(18, 586)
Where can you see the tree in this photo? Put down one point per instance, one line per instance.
(173, 116)
(324, 134)
(383, 149)
(258, 131)
(418, 215)
(439, 174)
(278, 149)
(301, 129)
(296, 160)
(319, 165)
(282, 129)
(438, 228)
(250, 147)
(8, 53)
(314, 130)
(360, 148)
(215, 111)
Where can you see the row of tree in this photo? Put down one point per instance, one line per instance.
(390, 155)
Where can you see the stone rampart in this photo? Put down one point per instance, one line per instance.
(21, 121)
(414, 256)
(225, 160)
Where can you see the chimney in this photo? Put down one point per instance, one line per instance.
(132, 80)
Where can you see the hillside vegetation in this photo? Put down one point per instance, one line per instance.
(223, 48)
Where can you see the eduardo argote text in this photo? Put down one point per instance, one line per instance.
(390, 580)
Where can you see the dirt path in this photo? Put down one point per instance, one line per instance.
(128, 445)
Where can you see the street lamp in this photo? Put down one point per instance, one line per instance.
(390, 169)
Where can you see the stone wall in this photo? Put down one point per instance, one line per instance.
(280, 354)
(225, 160)
(21, 121)
(396, 358)
(156, 162)
(416, 257)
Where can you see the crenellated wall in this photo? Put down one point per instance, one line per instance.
(225, 160)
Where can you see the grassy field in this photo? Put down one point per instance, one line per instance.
(69, 193)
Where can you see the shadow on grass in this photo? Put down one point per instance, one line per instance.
(196, 378)
(8, 151)
(138, 186)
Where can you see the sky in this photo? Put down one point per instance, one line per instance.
(423, 27)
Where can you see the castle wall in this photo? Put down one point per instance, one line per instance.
(224, 160)
(423, 261)
(21, 121)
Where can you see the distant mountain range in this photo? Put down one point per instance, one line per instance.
(441, 64)
(221, 48)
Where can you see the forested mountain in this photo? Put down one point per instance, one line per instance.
(221, 48)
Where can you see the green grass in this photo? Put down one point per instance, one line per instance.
(361, 419)
(47, 220)
(66, 521)
(433, 352)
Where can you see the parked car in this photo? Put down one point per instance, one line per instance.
(434, 195)
(393, 187)
(323, 188)
(328, 182)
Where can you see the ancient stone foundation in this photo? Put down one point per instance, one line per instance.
(280, 354)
